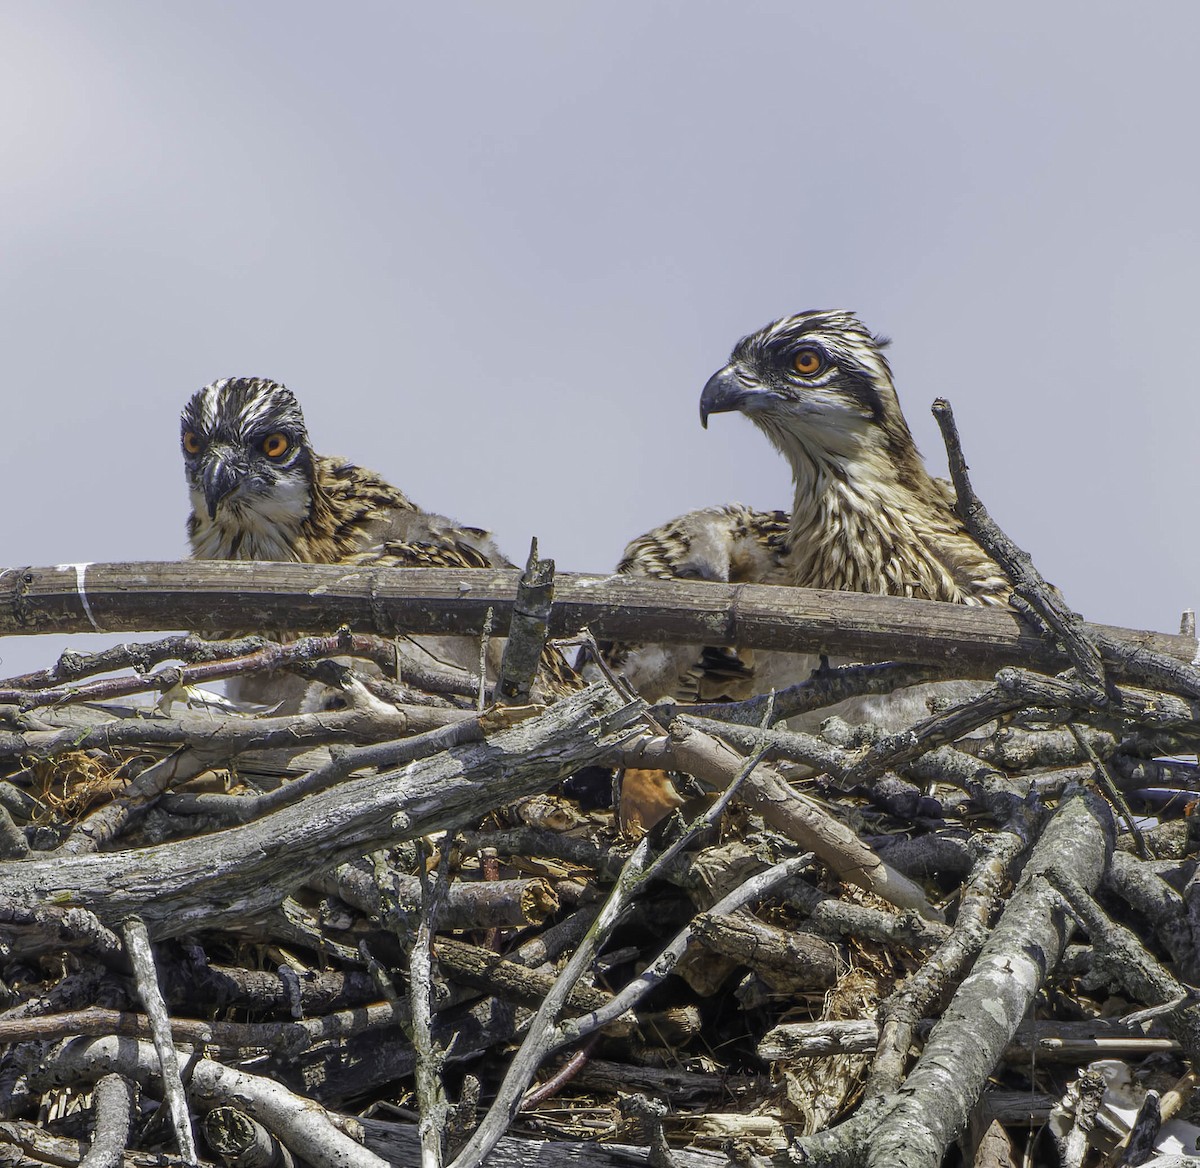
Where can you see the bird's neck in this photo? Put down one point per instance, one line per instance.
(265, 528)
(872, 519)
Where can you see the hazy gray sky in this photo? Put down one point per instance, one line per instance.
(497, 248)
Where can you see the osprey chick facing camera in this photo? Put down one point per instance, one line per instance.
(260, 492)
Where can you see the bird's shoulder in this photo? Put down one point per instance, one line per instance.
(359, 517)
(350, 487)
(424, 539)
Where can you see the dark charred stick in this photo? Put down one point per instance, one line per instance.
(682, 1088)
(195, 984)
(527, 631)
(491, 973)
(34, 929)
(1155, 772)
(1138, 1146)
(789, 962)
(1028, 583)
(547, 946)
(540, 841)
(1161, 909)
(927, 855)
(831, 917)
(337, 1072)
(1142, 663)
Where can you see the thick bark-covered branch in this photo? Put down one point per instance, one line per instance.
(126, 597)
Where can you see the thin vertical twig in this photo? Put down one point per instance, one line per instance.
(141, 957)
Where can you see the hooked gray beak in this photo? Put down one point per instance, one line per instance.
(725, 393)
(220, 478)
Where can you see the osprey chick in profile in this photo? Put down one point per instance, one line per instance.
(867, 515)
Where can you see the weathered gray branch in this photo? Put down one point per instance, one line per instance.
(112, 1102)
(304, 1126)
(225, 877)
(141, 957)
(968, 1042)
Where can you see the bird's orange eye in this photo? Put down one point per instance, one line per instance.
(806, 362)
(191, 442)
(275, 445)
